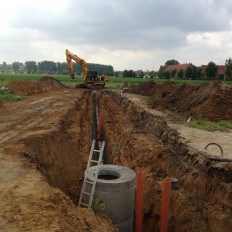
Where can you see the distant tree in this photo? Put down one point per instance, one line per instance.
(171, 62)
(198, 72)
(173, 73)
(166, 74)
(116, 74)
(102, 69)
(64, 68)
(125, 73)
(151, 73)
(59, 68)
(189, 72)
(194, 72)
(15, 66)
(129, 73)
(31, 66)
(4, 67)
(48, 67)
(228, 70)
(180, 73)
(211, 70)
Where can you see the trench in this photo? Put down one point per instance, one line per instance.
(134, 139)
(61, 154)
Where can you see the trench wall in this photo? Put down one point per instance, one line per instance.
(207, 184)
(61, 153)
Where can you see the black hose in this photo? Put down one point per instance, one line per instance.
(215, 145)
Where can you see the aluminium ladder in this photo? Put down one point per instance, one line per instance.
(88, 187)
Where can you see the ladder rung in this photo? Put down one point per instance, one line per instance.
(81, 203)
(89, 182)
(91, 171)
(95, 172)
(94, 161)
(87, 193)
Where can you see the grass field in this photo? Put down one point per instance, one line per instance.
(114, 83)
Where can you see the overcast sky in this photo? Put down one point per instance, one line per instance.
(127, 34)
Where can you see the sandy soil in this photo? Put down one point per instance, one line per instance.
(137, 136)
(34, 135)
(45, 142)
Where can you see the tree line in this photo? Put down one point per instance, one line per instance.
(51, 67)
(209, 71)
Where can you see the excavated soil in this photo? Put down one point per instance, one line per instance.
(44, 147)
(137, 138)
(45, 84)
(212, 101)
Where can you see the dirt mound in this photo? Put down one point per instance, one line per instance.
(53, 82)
(212, 100)
(146, 88)
(45, 84)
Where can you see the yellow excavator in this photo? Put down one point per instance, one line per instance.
(91, 78)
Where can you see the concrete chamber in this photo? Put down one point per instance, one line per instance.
(115, 195)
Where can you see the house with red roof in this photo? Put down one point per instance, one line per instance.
(176, 67)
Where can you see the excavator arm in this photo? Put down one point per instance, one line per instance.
(70, 56)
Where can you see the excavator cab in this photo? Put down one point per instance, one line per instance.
(91, 76)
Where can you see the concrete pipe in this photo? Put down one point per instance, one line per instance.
(115, 195)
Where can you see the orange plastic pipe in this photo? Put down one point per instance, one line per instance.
(165, 205)
(100, 125)
(139, 200)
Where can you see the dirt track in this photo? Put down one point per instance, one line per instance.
(45, 141)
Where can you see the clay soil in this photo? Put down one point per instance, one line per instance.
(44, 147)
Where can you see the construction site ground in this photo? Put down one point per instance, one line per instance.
(44, 147)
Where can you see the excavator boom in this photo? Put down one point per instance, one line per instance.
(70, 56)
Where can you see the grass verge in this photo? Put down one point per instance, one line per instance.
(9, 97)
(202, 123)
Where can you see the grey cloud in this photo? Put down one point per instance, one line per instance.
(136, 24)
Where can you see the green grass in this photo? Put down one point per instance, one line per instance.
(202, 123)
(114, 83)
(9, 97)
(65, 79)
(211, 126)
